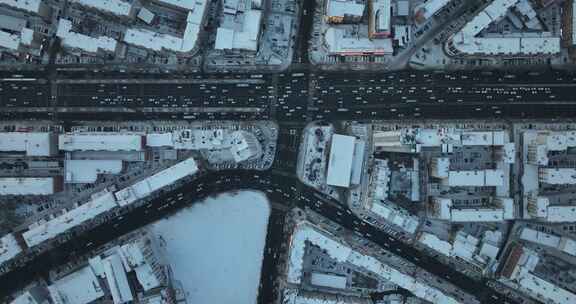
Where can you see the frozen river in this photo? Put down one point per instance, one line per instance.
(215, 248)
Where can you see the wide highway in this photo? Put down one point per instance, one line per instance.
(291, 96)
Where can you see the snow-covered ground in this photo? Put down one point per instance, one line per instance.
(215, 248)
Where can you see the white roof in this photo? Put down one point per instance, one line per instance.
(26, 185)
(116, 7)
(328, 280)
(293, 297)
(543, 289)
(244, 146)
(475, 178)
(79, 287)
(509, 153)
(97, 266)
(200, 139)
(224, 38)
(342, 253)
(558, 176)
(541, 205)
(430, 7)
(303, 233)
(185, 4)
(341, 8)
(573, 14)
(132, 254)
(158, 42)
(12, 41)
(494, 178)
(157, 181)
(358, 162)
(568, 246)
(83, 42)
(146, 15)
(508, 206)
(477, 138)
(34, 144)
(246, 38)
(477, 215)
(381, 12)
(381, 179)
(159, 140)
(488, 251)
(433, 137)
(444, 206)
(539, 237)
(25, 298)
(86, 171)
(465, 246)
(561, 214)
(441, 167)
(9, 41)
(466, 41)
(100, 141)
(396, 216)
(28, 5)
(382, 210)
(341, 159)
(466, 178)
(9, 248)
(435, 243)
(339, 44)
(117, 280)
(41, 232)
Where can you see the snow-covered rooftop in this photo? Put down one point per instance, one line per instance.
(539, 237)
(543, 289)
(558, 176)
(185, 4)
(79, 287)
(244, 38)
(13, 41)
(432, 241)
(117, 280)
(9, 248)
(157, 181)
(328, 280)
(465, 40)
(33, 143)
(564, 213)
(27, 185)
(158, 42)
(343, 253)
(116, 7)
(43, 231)
(341, 8)
(568, 245)
(27, 5)
(341, 159)
(83, 42)
(477, 215)
(133, 259)
(395, 215)
(305, 233)
(338, 42)
(100, 141)
(86, 171)
(431, 7)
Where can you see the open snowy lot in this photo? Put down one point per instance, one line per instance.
(215, 248)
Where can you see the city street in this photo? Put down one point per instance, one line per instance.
(291, 99)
